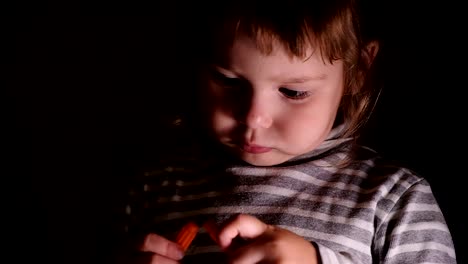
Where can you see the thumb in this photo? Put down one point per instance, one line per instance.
(243, 226)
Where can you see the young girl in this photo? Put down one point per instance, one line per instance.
(284, 92)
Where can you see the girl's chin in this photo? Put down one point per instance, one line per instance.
(264, 159)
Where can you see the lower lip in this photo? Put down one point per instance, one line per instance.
(255, 149)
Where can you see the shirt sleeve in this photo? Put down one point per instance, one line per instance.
(414, 230)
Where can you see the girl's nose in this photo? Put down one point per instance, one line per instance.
(259, 114)
(259, 121)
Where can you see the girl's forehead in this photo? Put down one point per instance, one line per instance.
(265, 45)
(244, 58)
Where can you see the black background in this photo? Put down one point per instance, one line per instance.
(86, 83)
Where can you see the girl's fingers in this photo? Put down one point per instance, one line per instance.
(243, 226)
(150, 258)
(162, 246)
(253, 253)
(158, 259)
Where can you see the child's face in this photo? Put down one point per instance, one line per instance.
(268, 109)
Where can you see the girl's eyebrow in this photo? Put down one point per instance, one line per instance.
(303, 79)
(289, 80)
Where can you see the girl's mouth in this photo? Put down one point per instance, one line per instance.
(255, 149)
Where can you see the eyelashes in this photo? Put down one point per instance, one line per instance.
(293, 94)
(239, 83)
(226, 81)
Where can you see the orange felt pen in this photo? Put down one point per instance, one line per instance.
(186, 235)
(211, 229)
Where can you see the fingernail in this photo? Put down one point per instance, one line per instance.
(180, 254)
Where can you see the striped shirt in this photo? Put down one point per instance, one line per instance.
(368, 211)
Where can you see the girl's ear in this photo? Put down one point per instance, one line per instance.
(370, 52)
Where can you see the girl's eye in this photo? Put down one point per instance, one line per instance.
(225, 80)
(293, 94)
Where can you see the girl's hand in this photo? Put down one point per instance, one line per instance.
(155, 249)
(262, 243)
